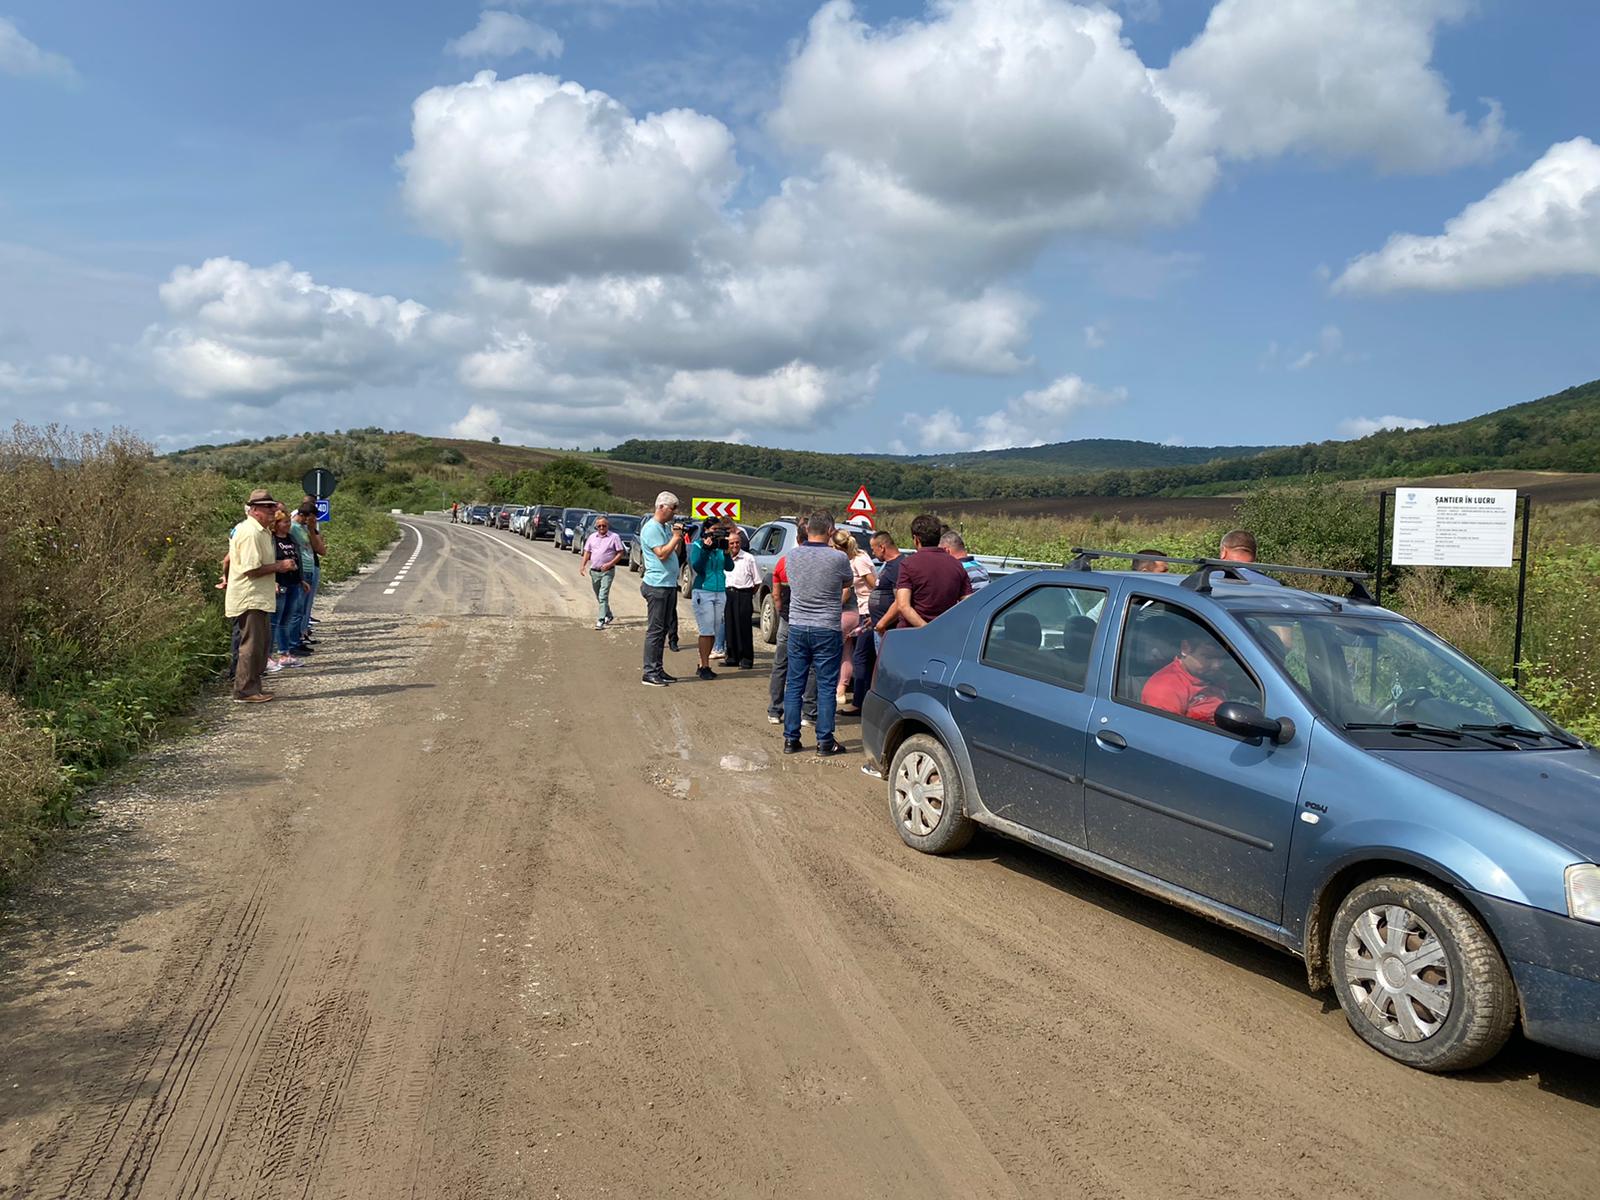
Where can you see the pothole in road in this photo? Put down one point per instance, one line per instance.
(756, 760)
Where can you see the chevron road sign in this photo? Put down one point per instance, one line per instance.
(704, 509)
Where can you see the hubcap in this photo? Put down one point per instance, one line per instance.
(919, 793)
(1398, 973)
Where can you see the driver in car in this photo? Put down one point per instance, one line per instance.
(1190, 685)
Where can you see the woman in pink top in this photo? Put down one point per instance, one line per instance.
(862, 580)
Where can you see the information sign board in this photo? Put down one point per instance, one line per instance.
(1454, 527)
(324, 511)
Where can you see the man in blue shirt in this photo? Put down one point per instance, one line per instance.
(661, 545)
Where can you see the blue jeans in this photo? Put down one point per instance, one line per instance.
(303, 625)
(812, 650)
(286, 619)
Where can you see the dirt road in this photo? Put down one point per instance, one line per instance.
(470, 913)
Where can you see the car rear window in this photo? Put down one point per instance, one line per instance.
(1047, 633)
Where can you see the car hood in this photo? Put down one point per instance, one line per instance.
(1555, 793)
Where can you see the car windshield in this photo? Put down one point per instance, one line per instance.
(1393, 679)
(624, 525)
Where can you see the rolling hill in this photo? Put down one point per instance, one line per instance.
(1084, 454)
(1560, 432)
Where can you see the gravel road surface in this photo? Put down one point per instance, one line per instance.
(470, 913)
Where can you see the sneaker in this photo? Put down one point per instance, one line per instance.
(792, 746)
(272, 667)
(666, 678)
(872, 770)
(652, 681)
(705, 673)
(607, 621)
(600, 624)
(718, 654)
(806, 721)
(772, 720)
(829, 748)
(289, 660)
(302, 649)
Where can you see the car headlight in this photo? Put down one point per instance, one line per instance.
(1583, 892)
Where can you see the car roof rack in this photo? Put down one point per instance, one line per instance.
(1199, 580)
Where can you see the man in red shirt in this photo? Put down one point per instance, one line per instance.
(931, 582)
(1184, 686)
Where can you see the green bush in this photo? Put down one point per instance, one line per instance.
(109, 624)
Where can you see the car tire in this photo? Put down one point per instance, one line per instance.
(926, 800)
(1453, 1012)
(686, 582)
(769, 619)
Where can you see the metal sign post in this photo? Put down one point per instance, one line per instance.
(1525, 502)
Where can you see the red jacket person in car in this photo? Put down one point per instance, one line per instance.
(1187, 685)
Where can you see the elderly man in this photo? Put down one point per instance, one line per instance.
(602, 550)
(953, 544)
(252, 593)
(743, 579)
(661, 545)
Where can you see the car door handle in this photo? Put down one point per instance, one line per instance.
(966, 691)
(1111, 740)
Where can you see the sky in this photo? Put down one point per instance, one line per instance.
(885, 225)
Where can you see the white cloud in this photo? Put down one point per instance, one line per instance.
(982, 336)
(1339, 79)
(1031, 419)
(502, 34)
(19, 56)
(1330, 344)
(1094, 335)
(55, 374)
(1360, 427)
(541, 179)
(480, 423)
(1539, 224)
(1007, 120)
(257, 333)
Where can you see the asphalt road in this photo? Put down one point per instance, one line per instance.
(470, 913)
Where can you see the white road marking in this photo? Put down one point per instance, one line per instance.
(514, 550)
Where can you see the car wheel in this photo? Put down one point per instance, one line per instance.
(1418, 976)
(686, 582)
(926, 801)
(769, 619)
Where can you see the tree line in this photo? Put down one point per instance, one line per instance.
(1559, 432)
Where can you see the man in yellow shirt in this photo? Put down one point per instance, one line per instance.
(252, 594)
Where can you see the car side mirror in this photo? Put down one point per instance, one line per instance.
(1248, 721)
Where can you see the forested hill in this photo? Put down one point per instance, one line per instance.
(1555, 433)
(1085, 454)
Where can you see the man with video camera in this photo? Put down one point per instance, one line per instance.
(708, 593)
(661, 548)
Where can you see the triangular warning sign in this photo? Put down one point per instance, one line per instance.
(862, 504)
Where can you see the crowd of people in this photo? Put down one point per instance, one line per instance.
(836, 600)
(269, 580)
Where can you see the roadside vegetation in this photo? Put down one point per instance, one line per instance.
(109, 623)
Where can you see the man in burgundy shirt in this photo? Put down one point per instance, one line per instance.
(931, 582)
(1184, 686)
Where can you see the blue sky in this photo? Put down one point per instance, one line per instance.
(888, 225)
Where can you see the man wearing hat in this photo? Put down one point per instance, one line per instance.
(252, 594)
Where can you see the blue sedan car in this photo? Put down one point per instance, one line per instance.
(1316, 771)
